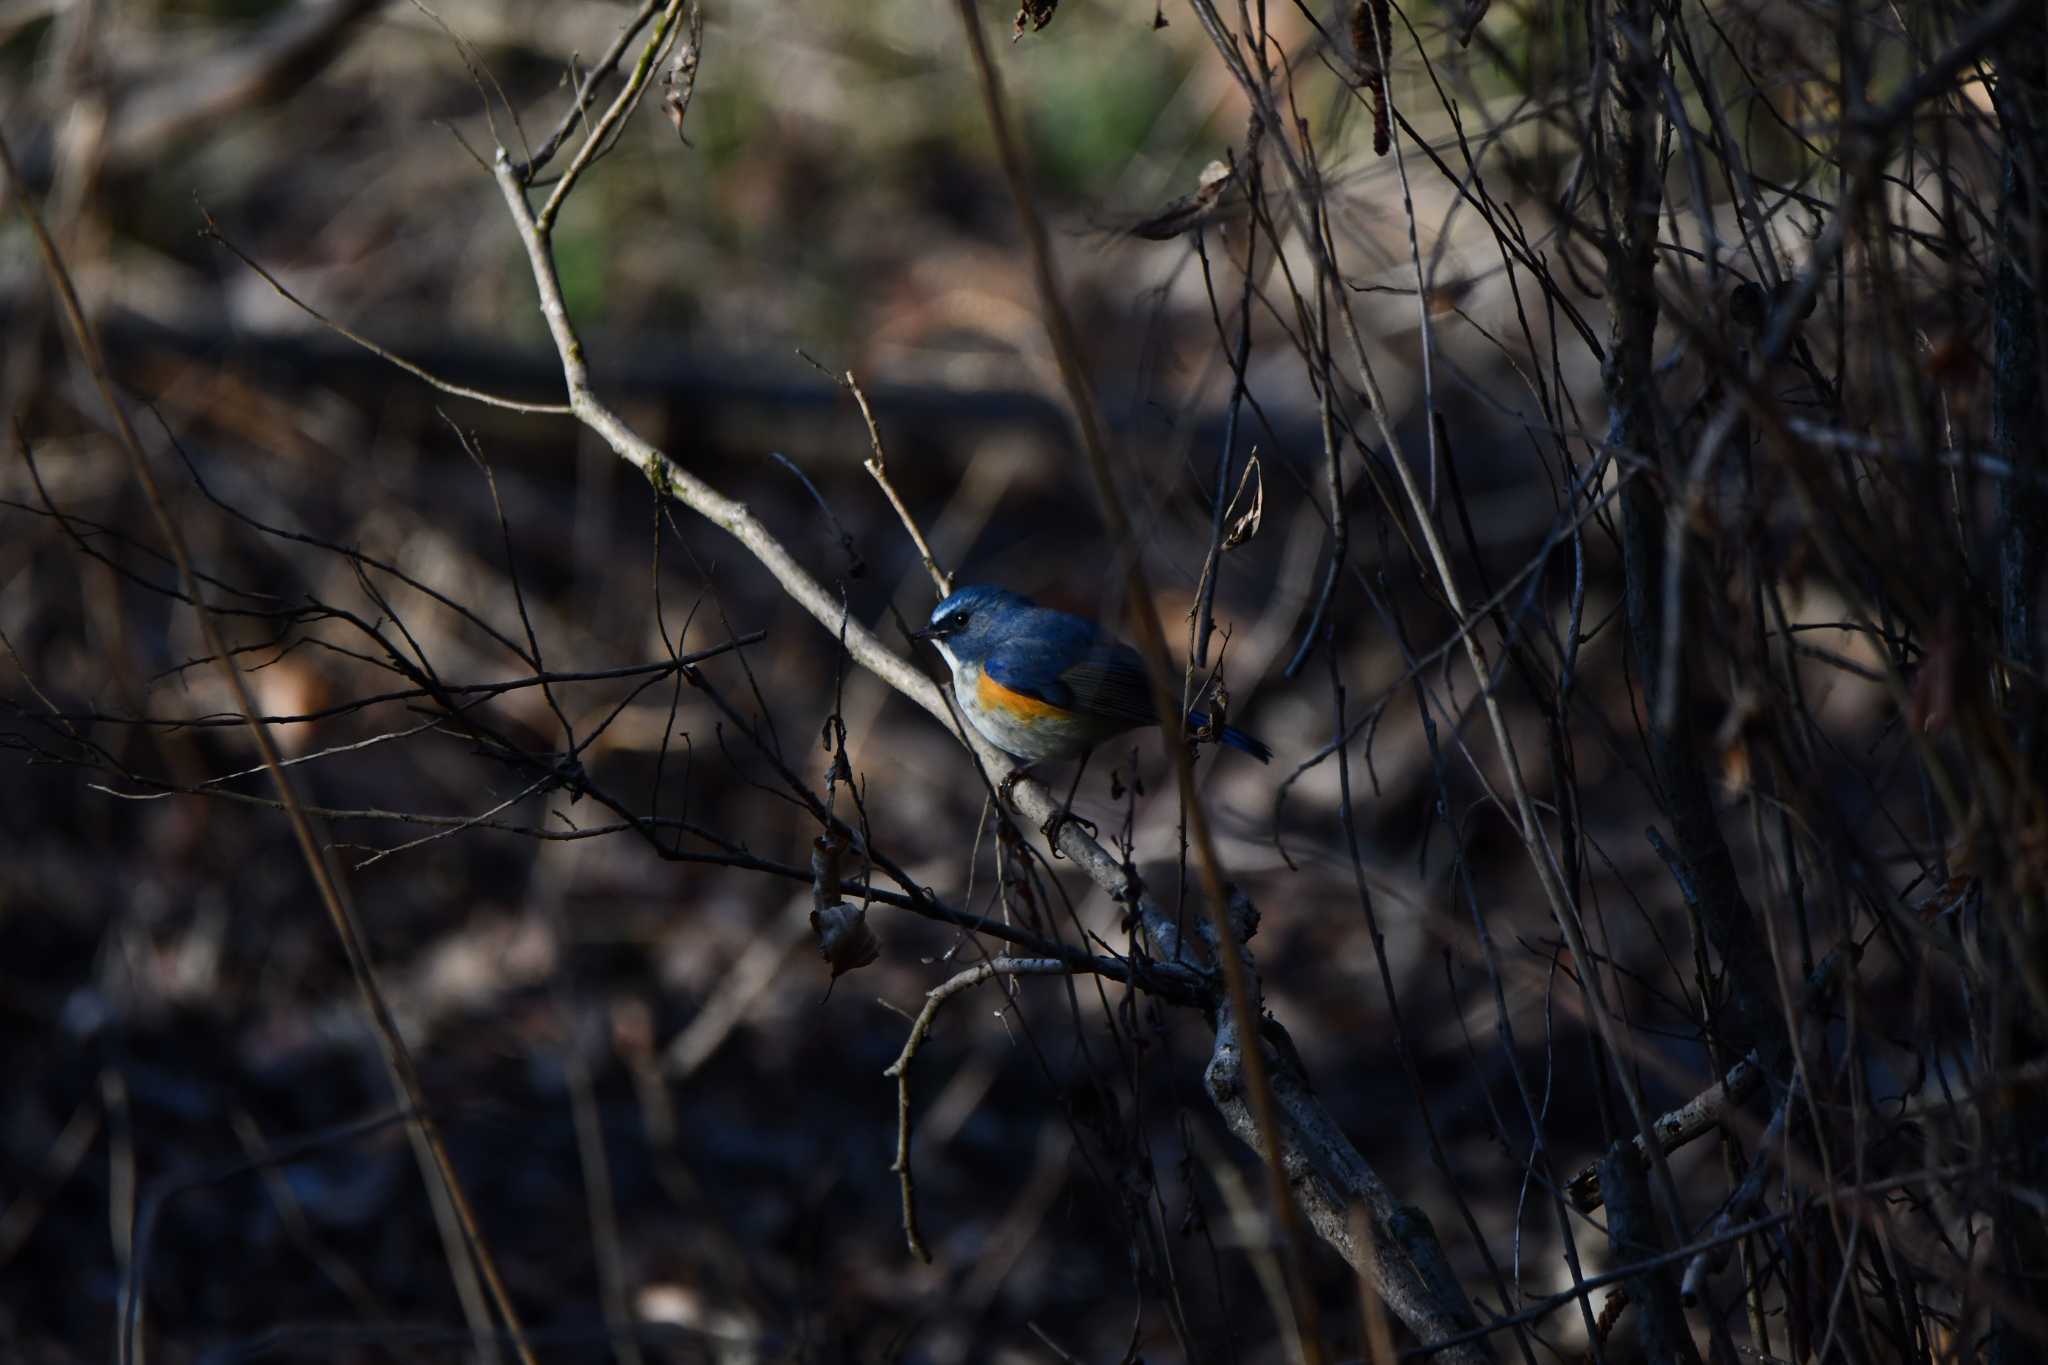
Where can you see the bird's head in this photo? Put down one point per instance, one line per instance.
(972, 622)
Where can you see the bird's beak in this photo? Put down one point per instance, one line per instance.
(926, 634)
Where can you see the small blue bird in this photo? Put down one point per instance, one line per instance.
(1044, 684)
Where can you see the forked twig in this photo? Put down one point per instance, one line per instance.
(900, 1068)
(586, 89)
(594, 144)
(877, 465)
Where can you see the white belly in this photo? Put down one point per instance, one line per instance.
(1045, 737)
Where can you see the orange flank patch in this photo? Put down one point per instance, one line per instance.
(993, 696)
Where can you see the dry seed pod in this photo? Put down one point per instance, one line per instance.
(844, 939)
(1372, 41)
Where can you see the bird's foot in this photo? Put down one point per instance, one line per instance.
(1064, 816)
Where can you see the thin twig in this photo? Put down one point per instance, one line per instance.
(213, 233)
(586, 90)
(877, 465)
(900, 1068)
(594, 144)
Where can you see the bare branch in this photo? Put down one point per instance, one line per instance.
(920, 1028)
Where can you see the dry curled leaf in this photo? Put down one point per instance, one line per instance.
(1209, 202)
(828, 855)
(1244, 525)
(1219, 714)
(844, 939)
(681, 78)
(1036, 13)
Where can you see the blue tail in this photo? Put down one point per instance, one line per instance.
(1231, 735)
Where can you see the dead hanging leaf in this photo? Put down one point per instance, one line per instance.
(828, 855)
(680, 81)
(1036, 13)
(1210, 201)
(1219, 712)
(844, 939)
(1244, 525)
(1372, 40)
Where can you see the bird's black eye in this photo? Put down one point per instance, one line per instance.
(952, 625)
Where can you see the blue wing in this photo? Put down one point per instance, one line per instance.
(1110, 681)
(1067, 662)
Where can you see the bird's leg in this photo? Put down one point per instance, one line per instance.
(1051, 828)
